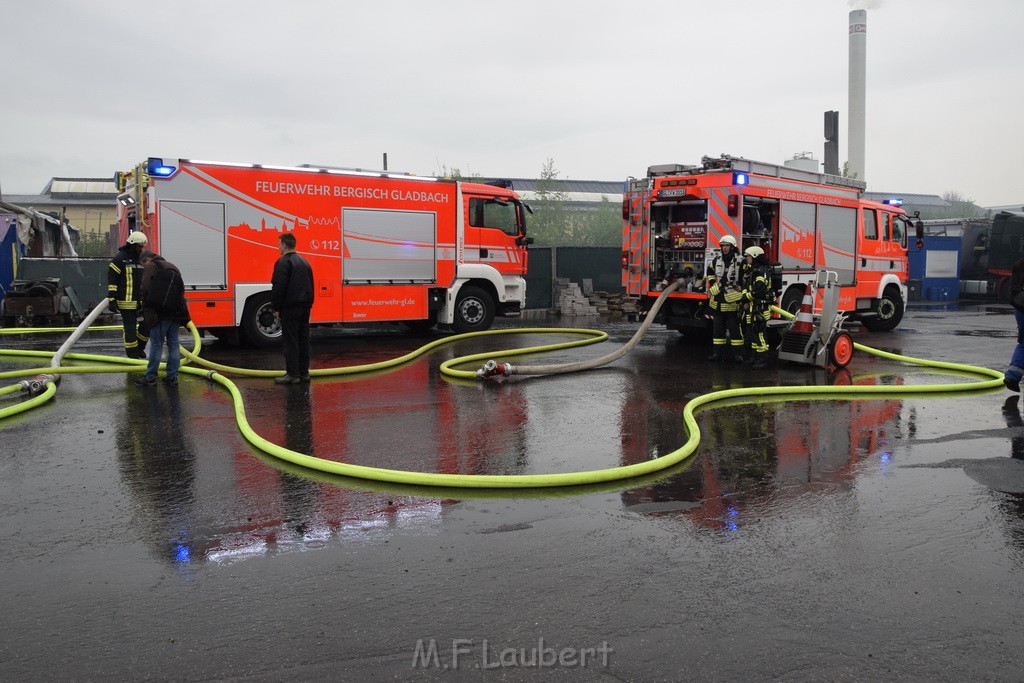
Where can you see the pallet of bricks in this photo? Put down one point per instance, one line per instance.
(609, 303)
(569, 299)
(581, 299)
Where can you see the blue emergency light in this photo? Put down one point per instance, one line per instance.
(895, 201)
(739, 178)
(158, 168)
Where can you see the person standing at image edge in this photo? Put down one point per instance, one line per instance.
(1013, 374)
(291, 298)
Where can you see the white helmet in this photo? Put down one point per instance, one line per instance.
(753, 252)
(728, 239)
(137, 238)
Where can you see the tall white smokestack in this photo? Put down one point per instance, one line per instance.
(858, 53)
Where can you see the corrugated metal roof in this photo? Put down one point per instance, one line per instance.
(58, 201)
(609, 188)
(81, 188)
(919, 200)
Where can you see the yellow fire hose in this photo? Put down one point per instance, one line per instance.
(989, 379)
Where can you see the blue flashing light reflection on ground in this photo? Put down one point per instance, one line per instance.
(885, 457)
(182, 554)
(730, 523)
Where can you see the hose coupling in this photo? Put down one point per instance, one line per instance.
(492, 368)
(36, 385)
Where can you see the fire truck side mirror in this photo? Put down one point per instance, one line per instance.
(524, 241)
(919, 230)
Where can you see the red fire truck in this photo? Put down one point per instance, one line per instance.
(674, 219)
(383, 246)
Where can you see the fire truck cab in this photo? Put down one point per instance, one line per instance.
(383, 246)
(674, 219)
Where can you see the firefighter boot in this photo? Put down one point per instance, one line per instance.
(760, 360)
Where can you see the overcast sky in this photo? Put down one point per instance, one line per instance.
(605, 89)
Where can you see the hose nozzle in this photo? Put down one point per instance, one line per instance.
(492, 368)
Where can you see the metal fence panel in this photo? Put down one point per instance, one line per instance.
(539, 278)
(600, 264)
(87, 275)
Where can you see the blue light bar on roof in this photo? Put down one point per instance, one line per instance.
(740, 178)
(158, 168)
(894, 201)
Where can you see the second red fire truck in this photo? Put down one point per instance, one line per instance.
(674, 219)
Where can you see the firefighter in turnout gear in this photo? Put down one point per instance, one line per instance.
(725, 294)
(758, 297)
(124, 293)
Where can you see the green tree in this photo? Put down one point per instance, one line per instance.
(550, 221)
(455, 173)
(599, 226)
(962, 206)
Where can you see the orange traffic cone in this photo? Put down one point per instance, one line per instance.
(805, 318)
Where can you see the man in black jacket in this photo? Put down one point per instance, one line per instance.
(1015, 372)
(291, 297)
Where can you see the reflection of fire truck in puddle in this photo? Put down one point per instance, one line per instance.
(413, 422)
(756, 455)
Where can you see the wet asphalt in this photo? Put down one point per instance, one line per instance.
(144, 539)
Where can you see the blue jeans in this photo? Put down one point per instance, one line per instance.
(164, 331)
(1016, 369)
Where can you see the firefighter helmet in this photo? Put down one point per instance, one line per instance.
(137, 238)
(728, 239)
(753, 252)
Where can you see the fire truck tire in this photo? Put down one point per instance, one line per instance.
(474, 310)
(260, 326)
(890, 312)
(840, 349)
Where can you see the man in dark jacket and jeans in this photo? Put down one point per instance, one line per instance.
(164, 309)
(291, 297)
(1015, 372)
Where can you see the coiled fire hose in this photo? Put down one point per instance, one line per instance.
(989, 379)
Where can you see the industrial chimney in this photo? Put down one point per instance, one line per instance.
(858, 51)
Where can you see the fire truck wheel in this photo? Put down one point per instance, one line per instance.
(259, 324)
(840, 349)
(474, 310)
(890, 312)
